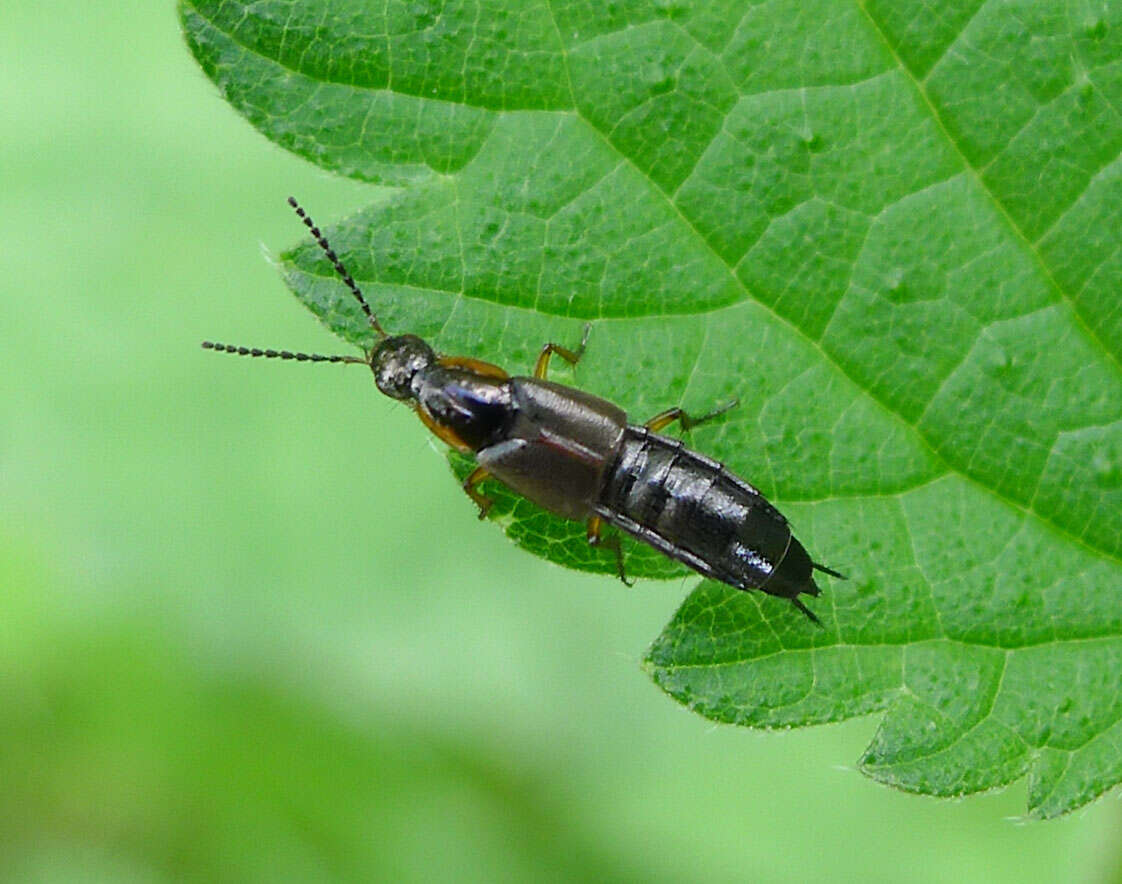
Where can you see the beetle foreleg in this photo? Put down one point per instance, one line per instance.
(596, 538)
(475, 365)
(481, 500)
(541, 367)
(665, 418)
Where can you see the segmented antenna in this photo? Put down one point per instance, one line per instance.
(338, 265)
(279, 354)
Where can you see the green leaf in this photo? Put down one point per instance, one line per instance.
(893, 231)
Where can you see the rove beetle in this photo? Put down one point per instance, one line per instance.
(577, 456)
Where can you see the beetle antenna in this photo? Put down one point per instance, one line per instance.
(280, 354)
(829, 571)
(338, 265)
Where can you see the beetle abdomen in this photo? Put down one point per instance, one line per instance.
(691, 508)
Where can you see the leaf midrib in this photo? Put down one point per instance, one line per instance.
(888, 410)
(899, 645)
(976, 176)
(1025, 509)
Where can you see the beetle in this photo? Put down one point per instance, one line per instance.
(579, 456)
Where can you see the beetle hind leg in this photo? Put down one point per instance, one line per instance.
(688, 422)
(596, 538)
(481, 500)
(541, 367)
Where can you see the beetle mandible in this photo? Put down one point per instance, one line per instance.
(578, 456)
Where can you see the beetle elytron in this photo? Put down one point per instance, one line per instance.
(576, 455)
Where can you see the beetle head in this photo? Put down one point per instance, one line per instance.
(396, 360)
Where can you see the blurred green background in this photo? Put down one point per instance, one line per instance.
(249, 627)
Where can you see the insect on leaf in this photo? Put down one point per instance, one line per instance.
(895, 235)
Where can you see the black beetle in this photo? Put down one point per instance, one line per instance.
(577, 455)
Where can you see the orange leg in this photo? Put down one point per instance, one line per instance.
(666, 418)
(475, 365)
(595, 538)
(541, 367)
(481, 500)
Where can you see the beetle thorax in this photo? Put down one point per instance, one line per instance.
(396, 362)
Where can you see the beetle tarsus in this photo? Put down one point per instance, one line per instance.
(688, 422)
(612, 542)
(481, 500)
(541, 367)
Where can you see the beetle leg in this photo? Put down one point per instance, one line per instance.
(595, 538)
(474, 365)
(541, 367)
(481, 500)
(665, 418)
